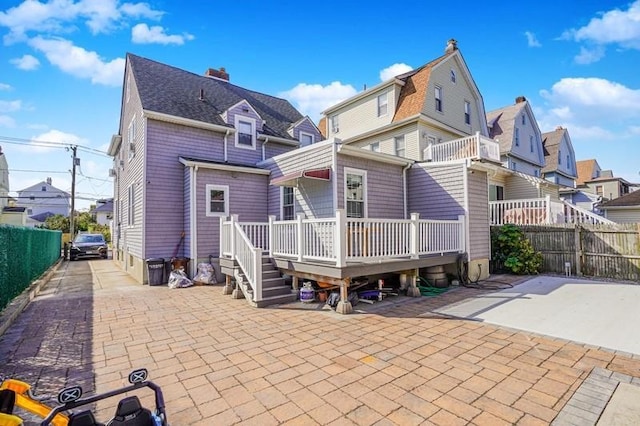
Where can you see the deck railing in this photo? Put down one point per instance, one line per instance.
(473, 147)
(340, 240)
(234, 242)
(539, 211)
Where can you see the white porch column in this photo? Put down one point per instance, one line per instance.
(415, 234)
(272, 218)
(300, 236)
(548, 209)
(341, 238)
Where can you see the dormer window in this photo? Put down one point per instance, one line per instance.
(382, 105)
(306, 139)
(44, 188)
(245, 132)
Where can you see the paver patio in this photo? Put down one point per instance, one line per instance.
(219, 361)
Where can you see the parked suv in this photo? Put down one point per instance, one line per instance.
(88, 245)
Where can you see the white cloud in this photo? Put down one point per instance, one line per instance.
(6, 121)
(617, 27)
(532, 41)
(634, 130)
(589, 55)
(394, 70)
(10, 106)
(5, 87)
(27, 62)
(38, 144)
(142, 34)
(593, 109)
(312, 99)
(79, 62)
(57, 16)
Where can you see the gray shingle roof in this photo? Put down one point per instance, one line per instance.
(551, 143)
(503, 120)
(169, 90)
(627, 200)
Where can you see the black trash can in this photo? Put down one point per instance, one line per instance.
(155, 271)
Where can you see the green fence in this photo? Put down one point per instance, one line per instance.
(25, 253)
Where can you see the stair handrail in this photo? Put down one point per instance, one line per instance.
(582, 212)
(249, 259)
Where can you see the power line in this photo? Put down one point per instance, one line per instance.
(37, 171)
(51, 144)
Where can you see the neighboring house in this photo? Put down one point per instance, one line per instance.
(4, 181)
(12, 215)
(43, 197)
(516, 129)
(185, 155)
(103, 212)
(560, 160)
(602, 183)
(411, 113)
(624, 209)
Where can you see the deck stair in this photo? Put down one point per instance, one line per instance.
(274, 288)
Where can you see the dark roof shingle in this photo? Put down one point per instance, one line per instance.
(173, 91)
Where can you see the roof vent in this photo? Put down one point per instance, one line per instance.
(220, 74)
(520, 99)
(452, 45)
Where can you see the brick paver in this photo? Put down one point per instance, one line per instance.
(219, 361)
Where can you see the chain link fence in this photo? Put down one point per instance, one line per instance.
(25, 253)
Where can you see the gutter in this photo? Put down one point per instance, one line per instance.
(167, 118)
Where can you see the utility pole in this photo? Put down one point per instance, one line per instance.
(76, 161)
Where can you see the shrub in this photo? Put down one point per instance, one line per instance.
(511, 248)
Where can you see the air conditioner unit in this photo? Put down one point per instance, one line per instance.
(112, 173)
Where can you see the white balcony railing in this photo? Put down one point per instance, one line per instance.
(339, 240)
(539, 211)
(476, 147)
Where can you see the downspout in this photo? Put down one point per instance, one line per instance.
(404, 188)
(334, 165)
(193, 217)
(225, 145)
(264, 151)
(465, 182)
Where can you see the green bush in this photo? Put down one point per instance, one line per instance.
(511, 248)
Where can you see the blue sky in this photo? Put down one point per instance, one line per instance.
(61, 66)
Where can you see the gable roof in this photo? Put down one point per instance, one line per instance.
(502, 122)
(631, 199)
(551, 143)
(38, 186)
(585, 170)
(414, 92)
(173, 91)
(104, 208)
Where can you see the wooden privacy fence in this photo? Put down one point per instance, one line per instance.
(603, 251)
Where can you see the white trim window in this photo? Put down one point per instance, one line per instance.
(217, 197)
(355, 192)
(438, 98)
(517, 136)
(399, 145)
(467, 112)
(335, 123)
(306, 138)
(245, 132)
(131, 206)
(383, 104)
(131, 139)
(288, 207)
(375, 146)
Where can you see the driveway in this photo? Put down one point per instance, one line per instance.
(219, 361)
(598, 313)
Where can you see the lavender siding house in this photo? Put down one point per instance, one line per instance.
(186, 154)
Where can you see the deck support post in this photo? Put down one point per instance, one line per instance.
(412, 289)
(344, 306)
(228, 285)
(294, 283)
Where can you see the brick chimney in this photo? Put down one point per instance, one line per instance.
(48, 181)
(520, 99)
(220, 74)
(452, 45)
(559, 128)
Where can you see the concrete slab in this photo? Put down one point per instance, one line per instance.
(592, 312)
(623, 408)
